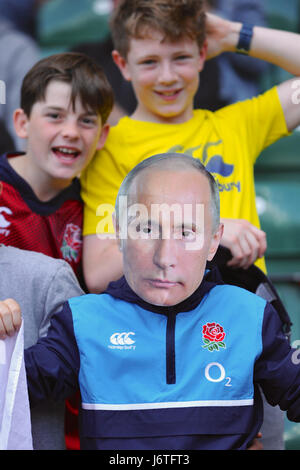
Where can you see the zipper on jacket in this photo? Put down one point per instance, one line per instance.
(170, 349)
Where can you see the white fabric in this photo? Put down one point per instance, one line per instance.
(15, 425)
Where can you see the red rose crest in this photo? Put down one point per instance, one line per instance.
(213, 336)
(71, 245)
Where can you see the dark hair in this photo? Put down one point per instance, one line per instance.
(86, 78)
(174, 18)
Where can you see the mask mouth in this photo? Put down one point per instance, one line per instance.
(163, 283)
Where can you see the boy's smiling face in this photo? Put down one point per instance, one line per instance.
(164, 75)
(60, 140)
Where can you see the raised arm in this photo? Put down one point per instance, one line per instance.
(280, 48)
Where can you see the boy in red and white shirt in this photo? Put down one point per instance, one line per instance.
(65, 102)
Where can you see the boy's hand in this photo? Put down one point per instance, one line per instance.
(221, 35)
(246, 242)
(10, 317)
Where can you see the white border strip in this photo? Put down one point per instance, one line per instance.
(11, 387)
(175, 404)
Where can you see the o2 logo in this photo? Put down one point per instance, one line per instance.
(215, 372)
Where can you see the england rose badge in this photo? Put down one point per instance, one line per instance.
(71, 245)
(213, 336)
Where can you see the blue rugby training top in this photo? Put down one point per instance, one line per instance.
(182, 377)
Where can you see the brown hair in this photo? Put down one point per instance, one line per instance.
(175, 18)
(87, 80)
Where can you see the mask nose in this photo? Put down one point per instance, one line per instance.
(165, 254)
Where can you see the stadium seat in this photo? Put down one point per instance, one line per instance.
(282, 15)
(64, 23)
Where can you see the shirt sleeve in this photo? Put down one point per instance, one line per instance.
(52, 365)
(259, 121)
(277, 369)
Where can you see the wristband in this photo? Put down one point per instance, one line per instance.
(245, 38)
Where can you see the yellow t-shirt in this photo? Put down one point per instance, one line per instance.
(227, 142)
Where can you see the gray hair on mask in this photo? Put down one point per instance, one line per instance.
(177, 162)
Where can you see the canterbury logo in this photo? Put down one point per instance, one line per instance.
(122, 340)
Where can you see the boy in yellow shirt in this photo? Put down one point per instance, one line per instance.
(161, 46)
